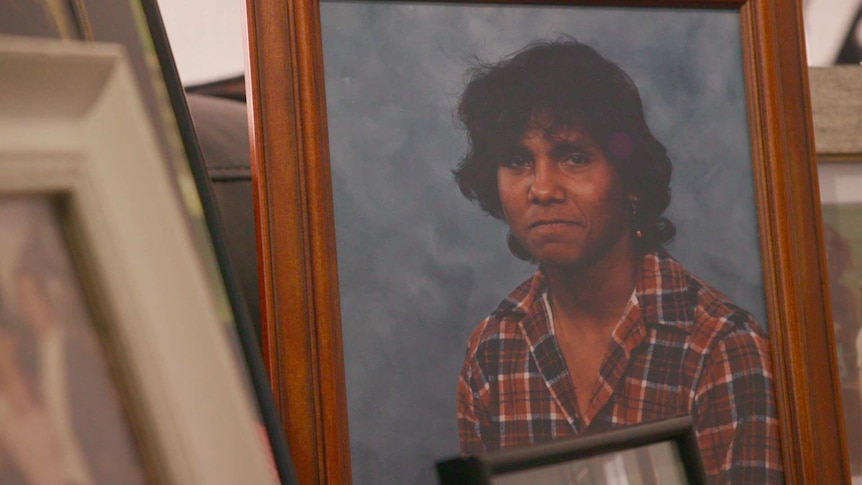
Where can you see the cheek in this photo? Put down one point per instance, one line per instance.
(610, 202)
(507, 193)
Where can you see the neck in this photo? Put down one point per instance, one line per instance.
(594, 295)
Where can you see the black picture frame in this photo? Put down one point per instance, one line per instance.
(482, 469)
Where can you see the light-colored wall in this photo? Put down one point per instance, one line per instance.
(206, 38)
(826, 24)
(208, 41)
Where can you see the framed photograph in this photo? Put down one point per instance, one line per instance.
(386, 291)
(137, 25)
(115, 361)
(663, 452)
(835, 99)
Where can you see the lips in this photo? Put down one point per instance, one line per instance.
(553, 222)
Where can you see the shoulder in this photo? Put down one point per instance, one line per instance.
(674, 296)
(716, 315)
(503, 328)
(727, 335)
(725, 345)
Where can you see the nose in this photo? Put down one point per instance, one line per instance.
(545, 187)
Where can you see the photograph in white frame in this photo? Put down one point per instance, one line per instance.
(61, 414)
(836, 101)
(841, 207)
(73, 129)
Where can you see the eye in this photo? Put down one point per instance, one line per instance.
(576, 158)
(516, 161)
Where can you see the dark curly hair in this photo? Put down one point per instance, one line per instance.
(571, 84)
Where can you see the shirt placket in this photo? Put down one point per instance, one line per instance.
(627, 335)
(549, 360)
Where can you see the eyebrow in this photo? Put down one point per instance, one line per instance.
(564, 147)
(519, 150)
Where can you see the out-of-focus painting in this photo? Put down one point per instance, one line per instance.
(841, 195)
(62, 418)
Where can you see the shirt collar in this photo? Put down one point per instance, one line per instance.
(663, 292)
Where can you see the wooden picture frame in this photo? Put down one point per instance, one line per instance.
(153, 311)
(299, 274)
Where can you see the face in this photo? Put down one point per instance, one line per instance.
(562, 198)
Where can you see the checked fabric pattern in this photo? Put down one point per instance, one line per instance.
(680, 348)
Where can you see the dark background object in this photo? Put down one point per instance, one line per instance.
(228, 88)
(851, 48)
(222, 129)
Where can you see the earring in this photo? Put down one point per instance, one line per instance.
(634, 219)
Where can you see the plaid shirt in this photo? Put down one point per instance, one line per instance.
(681, 348)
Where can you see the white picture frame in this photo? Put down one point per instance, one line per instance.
(73, 126)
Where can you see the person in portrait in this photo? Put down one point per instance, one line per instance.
(28, 438)
(610, 330)
(87, 440)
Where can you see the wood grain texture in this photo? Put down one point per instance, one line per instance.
(300, 319)
(789, 211)
(300, 303)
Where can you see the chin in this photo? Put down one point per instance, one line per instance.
(571, 258)
(562, 260)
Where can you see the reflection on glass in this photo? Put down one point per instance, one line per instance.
(658, 464)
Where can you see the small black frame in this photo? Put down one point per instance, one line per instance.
(481, 470)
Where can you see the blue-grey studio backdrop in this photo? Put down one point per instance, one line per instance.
(419, 266)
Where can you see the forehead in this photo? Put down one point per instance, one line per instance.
(556, 125)
(556, 133)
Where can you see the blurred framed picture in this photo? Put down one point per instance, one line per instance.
(115, 363)
(837, 110)
(137, 26)
(663, 452)
(58, 395)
